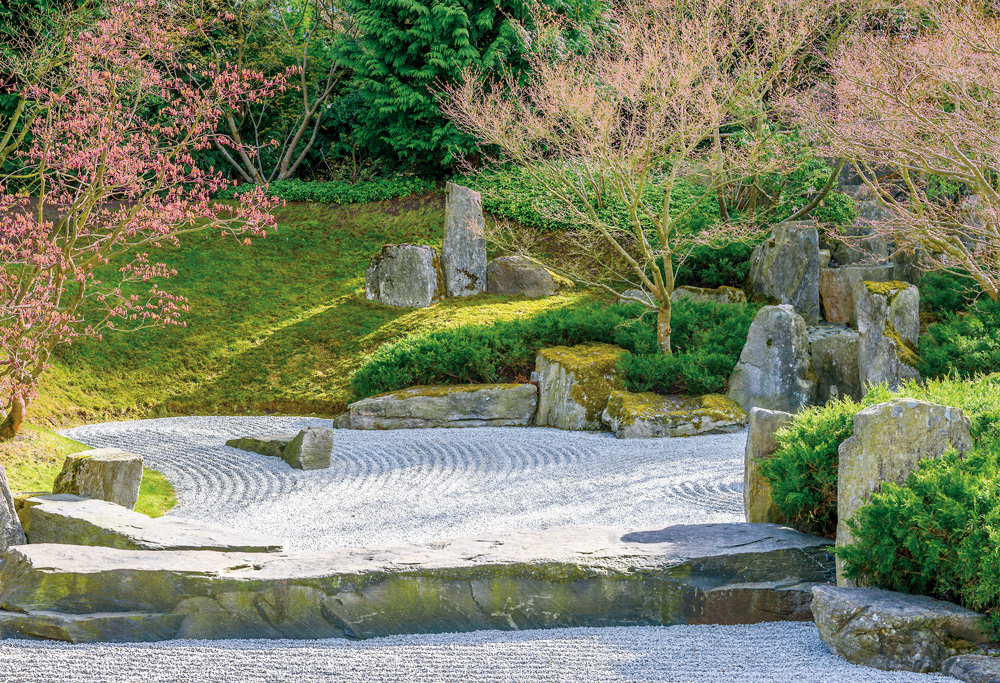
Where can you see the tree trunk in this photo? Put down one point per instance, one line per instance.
(15, 418)
(663, 328)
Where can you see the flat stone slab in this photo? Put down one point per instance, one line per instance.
(894, 631)
(266, 444)
(472, 405)
(648, 416)
(72, 520)
(562, 577)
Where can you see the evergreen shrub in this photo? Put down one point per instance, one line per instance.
(339, 192)
(707, 340)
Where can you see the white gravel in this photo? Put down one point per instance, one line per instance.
(389, 487)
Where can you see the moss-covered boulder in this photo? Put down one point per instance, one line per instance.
(266, 444)
(888, 318)
(720, 295)
(758, 506)
(839, 289)
(467, 405)
(889, 441)
(574, 384)
(405, 275)
(103, 473)
(518, 276)
(894, 631)
(310, 449)
(648, 415)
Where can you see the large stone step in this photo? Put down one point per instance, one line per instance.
(71, 520)
(697, 574)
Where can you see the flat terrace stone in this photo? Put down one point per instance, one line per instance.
(72, 520)
(562, 577)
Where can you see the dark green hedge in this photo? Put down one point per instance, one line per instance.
(707, 340)
(340, 192)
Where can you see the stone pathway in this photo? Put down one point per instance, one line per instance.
(387, 487)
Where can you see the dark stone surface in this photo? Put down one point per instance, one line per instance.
(696, 574)
(973, 668)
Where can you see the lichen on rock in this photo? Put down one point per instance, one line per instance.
(647, 415)
(574, 384)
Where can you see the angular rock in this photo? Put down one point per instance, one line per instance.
(574, 384)
(517, 276)
(11, 532)
(757, 504)
(721, 295)
(562, 577)
(405, 275)
(463, 252)
(835, 362)
(72, 520)
(310, 449)
(774, 371)
(888, 316)
(647, 415)
(890, 439)
(471, 405)
(909, 266)
(973, 668)
(785, 268)
(266, 444)
(894, 631)
(103, 473)
(839, 289)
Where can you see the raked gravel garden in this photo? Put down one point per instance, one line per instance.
(388, 487)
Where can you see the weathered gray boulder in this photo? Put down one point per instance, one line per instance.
(890, 439)
(266, 444)
(835, 361)
(405, 275)
(774, 371)
(470, 405)
(103, 473)
(785, 268)
(888, 316)
(860, 246)
(463, 252)
(310, 449)
(973, 668)
(894, 631)
(518, 276)
(72, 520)
(574, 384)
(721, 295)
(10, 526)
(839, 289)
(647, 415)
(757, 504)
(562, 577)
(631, 296)
(909, 265)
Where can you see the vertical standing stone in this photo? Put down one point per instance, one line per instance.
(888, 316)
(890, 439)
(785, 268)
(774, 371)
(11, 532)
(463, 253)
(757, 504)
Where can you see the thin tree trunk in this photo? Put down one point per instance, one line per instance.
(663, 328)
(15, 418)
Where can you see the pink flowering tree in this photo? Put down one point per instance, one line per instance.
(107, 174)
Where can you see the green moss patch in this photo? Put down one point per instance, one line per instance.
(887, 289)
(447, 390)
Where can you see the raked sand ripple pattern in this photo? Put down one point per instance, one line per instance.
(387, 487)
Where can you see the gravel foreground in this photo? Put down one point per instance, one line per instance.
(418, 485)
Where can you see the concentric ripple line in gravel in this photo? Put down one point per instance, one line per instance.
(761, 653)
(388, 487)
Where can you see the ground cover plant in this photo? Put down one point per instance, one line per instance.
(802, 473)
(339, 192)
(709, 339)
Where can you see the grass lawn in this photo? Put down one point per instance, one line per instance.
(274, 328)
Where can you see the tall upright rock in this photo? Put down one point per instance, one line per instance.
(463, 252)
(785, 268)
(11, 532)
(774, 370)
(888, 317)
